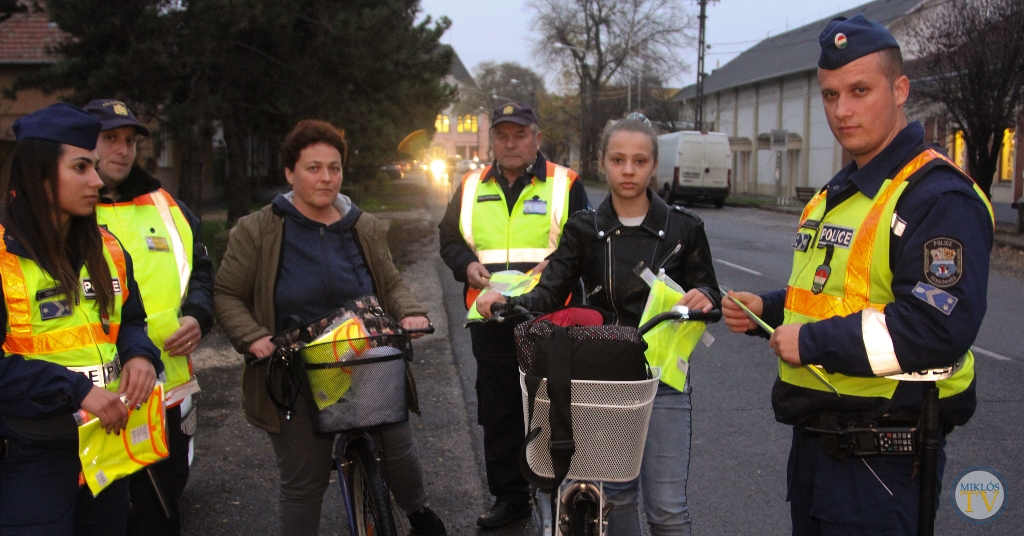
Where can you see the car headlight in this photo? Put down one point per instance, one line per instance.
(437, 168)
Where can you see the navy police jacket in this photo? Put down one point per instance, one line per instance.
(941, 204)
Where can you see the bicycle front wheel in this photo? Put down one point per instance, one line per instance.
(372, 502)
(583, 518)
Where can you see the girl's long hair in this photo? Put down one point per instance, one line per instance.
(29, 194)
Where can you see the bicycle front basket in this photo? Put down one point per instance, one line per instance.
(357, 383)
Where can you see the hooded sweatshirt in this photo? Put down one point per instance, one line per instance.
(321, 266)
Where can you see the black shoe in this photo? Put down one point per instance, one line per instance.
(503, 513)
(426, 523)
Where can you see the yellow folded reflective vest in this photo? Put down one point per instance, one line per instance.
(346, 341)
(669, 344)
(106, 458)
(507, 283)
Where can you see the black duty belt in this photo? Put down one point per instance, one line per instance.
(841, 440)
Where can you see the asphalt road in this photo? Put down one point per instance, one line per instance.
(737, 467)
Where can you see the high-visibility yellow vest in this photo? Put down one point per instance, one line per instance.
(860, 283)
(155, 232)
(527, 235)
(42, 323)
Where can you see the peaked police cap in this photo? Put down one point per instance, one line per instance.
(62, 123)
(844, 40)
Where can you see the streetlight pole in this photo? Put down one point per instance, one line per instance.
(698, 104)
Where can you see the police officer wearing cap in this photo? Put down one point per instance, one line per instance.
(888, 287)
(74, 334)
(175, 277)
(507, 216)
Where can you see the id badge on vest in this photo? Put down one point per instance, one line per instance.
(157, 243)
(535, 206)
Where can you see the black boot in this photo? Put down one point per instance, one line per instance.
(426, 523)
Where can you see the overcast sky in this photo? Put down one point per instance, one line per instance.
(500, 30)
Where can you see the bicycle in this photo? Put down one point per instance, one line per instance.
(357, 385)
(610, 420)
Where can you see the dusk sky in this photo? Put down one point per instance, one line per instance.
(500, 30)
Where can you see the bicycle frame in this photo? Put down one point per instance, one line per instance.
(569, 492)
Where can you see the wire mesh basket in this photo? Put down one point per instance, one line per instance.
(357, 383)
(609, 427)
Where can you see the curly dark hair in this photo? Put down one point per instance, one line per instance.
(310, 132)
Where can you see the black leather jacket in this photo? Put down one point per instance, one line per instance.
(596, 247)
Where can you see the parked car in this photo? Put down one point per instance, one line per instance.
(465, 166)
(394, 171)
(694, 165)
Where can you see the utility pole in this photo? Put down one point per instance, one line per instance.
(698, 103)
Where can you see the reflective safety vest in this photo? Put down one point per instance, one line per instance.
(155, 232)
(527, 235)
(841, 267)
(43, 324)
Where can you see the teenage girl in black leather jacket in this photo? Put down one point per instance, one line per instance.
(603, 247)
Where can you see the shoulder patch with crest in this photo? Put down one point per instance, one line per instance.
(943, 261)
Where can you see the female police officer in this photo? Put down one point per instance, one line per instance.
(75, 329)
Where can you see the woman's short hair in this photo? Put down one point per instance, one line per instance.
(634, 122)
(310, 132)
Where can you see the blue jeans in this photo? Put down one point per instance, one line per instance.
(662, 473)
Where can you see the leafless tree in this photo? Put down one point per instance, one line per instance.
(596, 39)
(970, 63)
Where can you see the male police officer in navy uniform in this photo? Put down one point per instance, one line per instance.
(477, 238)
(889, 282)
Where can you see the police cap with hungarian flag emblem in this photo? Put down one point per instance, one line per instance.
(844, 40)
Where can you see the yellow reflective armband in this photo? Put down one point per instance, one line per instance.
(507, 283)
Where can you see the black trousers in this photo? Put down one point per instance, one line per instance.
(500, 410)
(874, 495)
(146, 517)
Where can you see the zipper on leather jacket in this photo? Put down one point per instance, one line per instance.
(611, 278)
(592, 292)
(668, 257)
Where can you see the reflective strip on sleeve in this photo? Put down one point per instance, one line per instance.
(162, 200)
(468, 201)
(560, 189)
(878, 343)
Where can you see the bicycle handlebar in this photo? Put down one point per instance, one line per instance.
(251, 359)
(681, 313)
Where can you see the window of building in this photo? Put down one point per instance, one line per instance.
(1006, 155)
(467, 123)
(441, 124)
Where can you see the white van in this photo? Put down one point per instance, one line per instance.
(693, 165)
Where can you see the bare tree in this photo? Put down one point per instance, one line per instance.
(498, 82)
(971, 65)
(595, 39)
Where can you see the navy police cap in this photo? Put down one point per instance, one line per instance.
(62, 123)
(844, 40)
(514, 112)
(114, 114)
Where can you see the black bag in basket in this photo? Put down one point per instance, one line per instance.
(572, 344)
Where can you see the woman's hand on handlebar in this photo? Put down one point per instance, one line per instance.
(262, 347)
(414, 322)
(484, 302)
(696, 300)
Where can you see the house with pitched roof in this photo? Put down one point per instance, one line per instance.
(774, 86)
(25, 38)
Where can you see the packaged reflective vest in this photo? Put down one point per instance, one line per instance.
(507, 283)
(106, 457)
(349, 338)
(669, 344)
